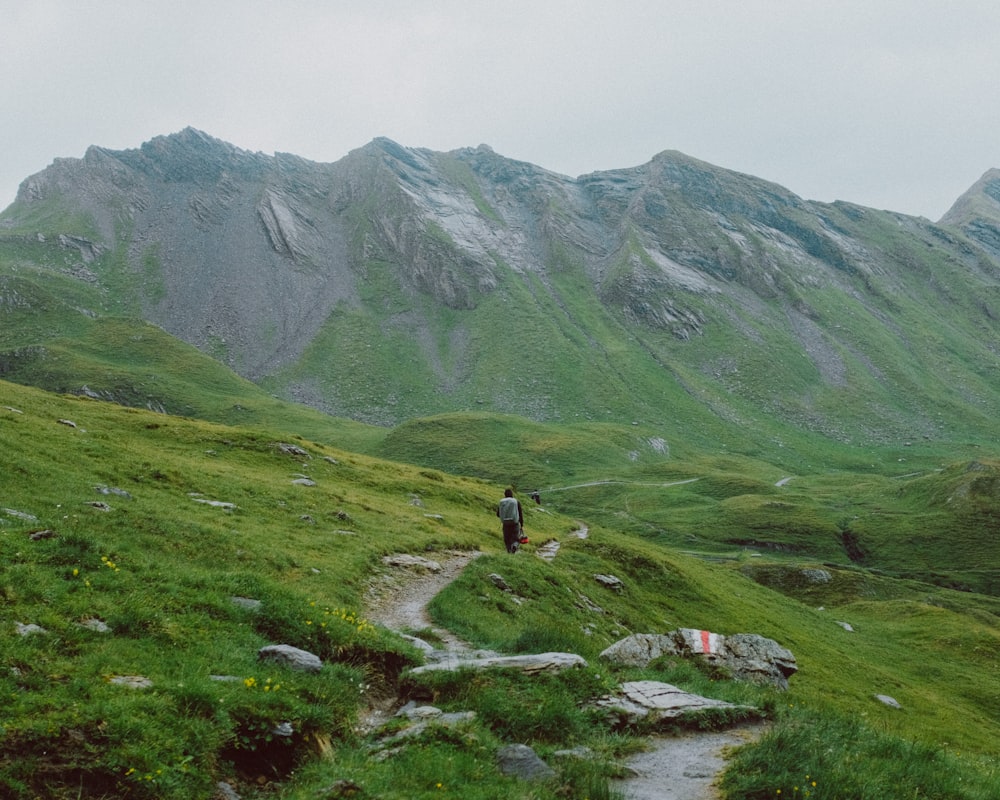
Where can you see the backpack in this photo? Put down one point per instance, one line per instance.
(508, 510)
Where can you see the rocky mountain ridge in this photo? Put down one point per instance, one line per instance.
(400, 282)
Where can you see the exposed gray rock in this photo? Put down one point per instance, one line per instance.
(131, 681)
(101, 489)
(747, 656)
(528, 664)
(411, 562)
(610, 582)
(846, 626)
(37, 536)
(214, 503)
(291, 657)
(500, 583)
(223, 791)
(816, 575)
(653, 702)
(639, 649)
(293, 450)
(96, 625)
(246, 602)
(520, 761)
(28, 629)
(303, 482)
(22, 515)
(887, 700)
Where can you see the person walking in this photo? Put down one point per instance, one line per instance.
(512, 519)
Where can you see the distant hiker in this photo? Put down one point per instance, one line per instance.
(536, 497)
(512, 519)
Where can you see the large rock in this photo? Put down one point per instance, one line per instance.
(528, 664)
(291, 657)
(653, 702)
(520, 761)
(747, 656)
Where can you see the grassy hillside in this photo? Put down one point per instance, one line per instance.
(104, 521)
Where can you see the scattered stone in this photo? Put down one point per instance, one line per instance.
(412, 711)
(223, 791)
(292, 450)
(303, 482)
(500, 583)
(246, 602)
(411, 562)
(291, 657)
(22, 515)
(94, 624)
(330, 459)
(588, 605)
(653, 701)
(415, 500)
(100, 506)
(131, 681)
(610, 582)
(284, 730)
(13, 410)
(307, 519)
(520, 761)
(747, 656)
(37, 536)
(101, 489)
(434, 516)
(889, 701)
(528, 664)
(846, 626)
(67, 422)
(816, 576)
(28, 630)
(213, 503)
(225, 678)
(341, 790)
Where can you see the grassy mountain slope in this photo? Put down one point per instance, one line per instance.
(160, 569)
(715, 308)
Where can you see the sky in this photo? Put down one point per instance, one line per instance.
(891, 104)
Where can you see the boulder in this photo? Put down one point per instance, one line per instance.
(520, 761)
(640, 649)
(747, 656)
(291, 657)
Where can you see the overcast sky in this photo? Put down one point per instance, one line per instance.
(887, 103)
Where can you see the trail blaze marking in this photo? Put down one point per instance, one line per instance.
(706, 642)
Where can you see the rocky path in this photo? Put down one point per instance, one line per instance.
(673, 768)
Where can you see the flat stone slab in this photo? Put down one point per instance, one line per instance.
(655, 701)
(528, 664)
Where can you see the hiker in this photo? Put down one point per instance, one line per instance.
(512, 519)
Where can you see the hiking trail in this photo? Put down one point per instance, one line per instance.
(681, 767)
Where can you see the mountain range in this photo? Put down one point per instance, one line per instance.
(747, 411)
(707, 306)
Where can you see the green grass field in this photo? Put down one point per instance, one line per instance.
(160, 569)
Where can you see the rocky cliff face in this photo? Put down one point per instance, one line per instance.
(401, 281)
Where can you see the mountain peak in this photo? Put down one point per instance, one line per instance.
(977, 212)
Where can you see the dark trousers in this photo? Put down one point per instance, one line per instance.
(511, 536)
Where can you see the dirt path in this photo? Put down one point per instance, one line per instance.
(674, 768)
(683, 767)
